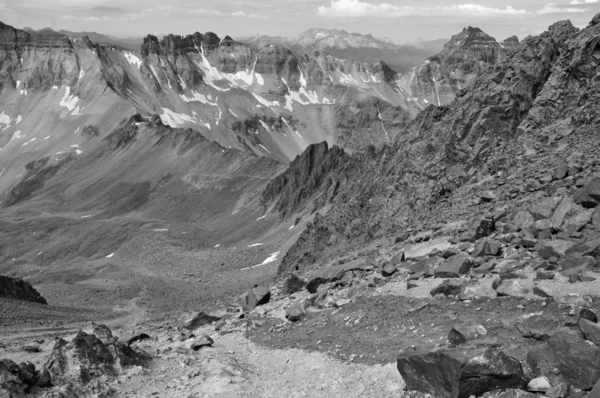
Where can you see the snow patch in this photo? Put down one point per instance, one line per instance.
(81, 74)
(217, 245)
(74, 146)
(262, 146)
(54, 87)
(69, 101)
(110, 255)
(19, 119)
(5, 119)
(260, 218)
(233, 113)
(46, 137)
(175, 119)
(133, 60)
(78, 152)
(29, 142)
(86, 216)
(256, 244)
(18, 83)
(160, 229)
(264, 101)
(271, 258)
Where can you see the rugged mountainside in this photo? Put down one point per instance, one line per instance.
(490, 133)
(355, 46)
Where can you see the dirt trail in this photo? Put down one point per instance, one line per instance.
(236, 367)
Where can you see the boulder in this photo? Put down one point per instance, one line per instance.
(544, 208)
(539, 384)
(256, 296)
(474, 289)
(461, 333)
(555, 248)
(564, 209)
(586, 313)
(15, 379)
(454, 266)
(559, 391)
(202, 341)
(199, 319)
(388, 269)
(538, 326)
(589, 195)
(449, 287)
(292, 284)
(487, 248)
(331, 274)
(454, 374)
(296, 311)
(515, 393)
(511, 287)
(567, 352)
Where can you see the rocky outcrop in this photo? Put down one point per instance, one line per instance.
(306, 175)
(20, 290)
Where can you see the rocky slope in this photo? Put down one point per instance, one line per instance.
(19, 289)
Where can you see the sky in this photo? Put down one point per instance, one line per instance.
(402, 21)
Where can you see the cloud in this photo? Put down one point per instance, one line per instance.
(245, 15)
(552, 8)
(206, 12)
(108, 9)
(578, 2)
(357, 9)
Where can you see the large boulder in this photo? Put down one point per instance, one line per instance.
(566, 352)
(538, 326)
(454, 267)
(589, 195)
(86, 357)
(256, 296)
(16, 380)
(555, 248)
(454, 374)
(511, 287)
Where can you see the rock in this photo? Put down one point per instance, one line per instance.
(462, 333)
(102, 332)
(86, 357)
(511, 287)
(296, 311)
(514, 393)
(487, 248)
(544, 275)
(20, 290)
(292, 284)
(447, 288)
(589, 195)
(138, 337)
(538, 326)
(474, 289)
(331, 274)
(488, 196)
(452, 374)
(595, 393)
(262, 294)
(539, 384)
(586, 313)
(31, 348)
(200, 342)
(565, 208)
(555, 248)
(388, 269)
(558, 391)
(542, 292)
(577, 361)
(454, 266)
(590, 330)
(199, 319)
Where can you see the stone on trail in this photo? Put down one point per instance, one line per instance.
(388, 269)
(199, 319)
(453, 374)
(539, 384)
(538, 326)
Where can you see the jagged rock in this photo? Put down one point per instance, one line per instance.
(590, 330)
(452, 374)
(542, 292)
(487, 248)
(589, 195)
(511, 287)
(199, 319)
(202, 341)
(257, 296)
(449, 287)
(19, 289)
(102, 332)
(454, 267)
(87, 357)
(539, 327)
(539, 384)
(31, 348)
(292, 284)
(514, 393)
(460, 334)
(577, 361)
(488, 196)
